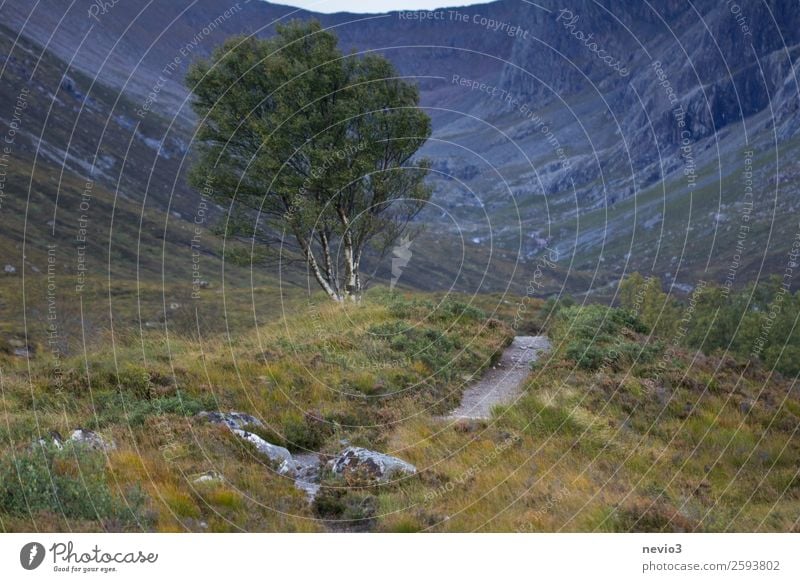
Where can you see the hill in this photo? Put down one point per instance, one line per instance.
(640, 436)
(537, 141)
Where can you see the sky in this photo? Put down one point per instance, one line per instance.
(372, 6)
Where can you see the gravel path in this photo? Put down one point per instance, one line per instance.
(503, 382)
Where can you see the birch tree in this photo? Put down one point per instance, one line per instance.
(298, 138)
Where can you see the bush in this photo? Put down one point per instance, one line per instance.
(70, 482)
(597, 336)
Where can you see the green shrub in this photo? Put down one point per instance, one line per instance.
(70, 482)
(596, 336)
(135, 380)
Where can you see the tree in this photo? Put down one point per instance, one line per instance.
(300, 139)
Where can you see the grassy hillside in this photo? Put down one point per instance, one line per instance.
(616, 430)
(321, 375)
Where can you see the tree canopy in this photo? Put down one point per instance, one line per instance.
(301, 139)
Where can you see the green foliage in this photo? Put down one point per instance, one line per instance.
(305, 139)
(428, 344)
(595, 336)
(71, 483)
(135, 380)
(552, 306)
(757, 322)
(655, 309)
(341, 500)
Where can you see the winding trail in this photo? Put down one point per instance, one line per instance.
(500, 385)
(503, 382)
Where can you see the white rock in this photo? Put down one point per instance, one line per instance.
(280, 455)
(231, 419)
(91, 439)
(372, 464)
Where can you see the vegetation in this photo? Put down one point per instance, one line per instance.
(67, 483)
(299, 138)
(618, 428)
(328, 373)
(755, 324)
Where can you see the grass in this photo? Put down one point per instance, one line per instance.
(613, 448)
(638, 438)
(318, 376)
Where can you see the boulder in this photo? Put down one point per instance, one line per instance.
(279, 455)
(208, 476)
(54, 439)
(233, 420)
(91, 439)
(370, 464)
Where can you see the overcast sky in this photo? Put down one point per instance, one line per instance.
(371, 6)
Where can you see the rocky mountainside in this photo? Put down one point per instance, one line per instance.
(622, 134)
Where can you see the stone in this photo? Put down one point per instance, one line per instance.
(279, 455)
(91, 439)
(54, 439)
(233, 420)
(371, 464)
(207, 476)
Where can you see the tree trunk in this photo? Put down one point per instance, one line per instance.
(318, 274)
(352, 285)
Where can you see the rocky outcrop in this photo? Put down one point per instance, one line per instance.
(237, 421)
(369, 464)
(279, 455)
(307, 473)
(233, 420)
(91, 440)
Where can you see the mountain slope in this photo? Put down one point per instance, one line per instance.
(616, 133)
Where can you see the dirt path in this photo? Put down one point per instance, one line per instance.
(503, 381)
